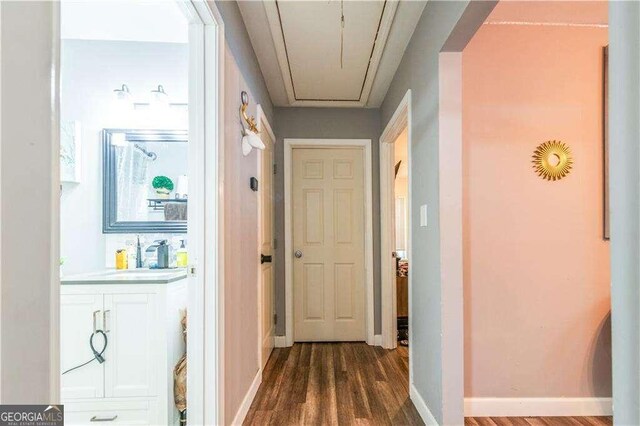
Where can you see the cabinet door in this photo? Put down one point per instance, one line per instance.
(77, 312)
(131, 321)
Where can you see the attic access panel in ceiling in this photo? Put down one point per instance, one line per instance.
(323, 61)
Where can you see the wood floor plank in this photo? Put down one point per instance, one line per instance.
(329, 399)
(359, 401)
(346, 414)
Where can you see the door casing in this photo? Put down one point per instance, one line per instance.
(400, 120)
(289, 145)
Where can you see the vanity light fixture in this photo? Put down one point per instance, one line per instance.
(159, 98)
(123, 96)
(250, 138)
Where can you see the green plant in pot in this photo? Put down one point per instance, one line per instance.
(163, 186)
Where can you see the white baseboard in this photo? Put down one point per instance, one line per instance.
(422, 408)
(247, 400)
(517, 407)
(280, 341)
(377, 340)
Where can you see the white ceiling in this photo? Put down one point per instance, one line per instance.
(124, 20)
(298, 45)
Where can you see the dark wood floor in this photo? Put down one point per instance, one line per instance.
(334, 383)
(538, 421)
(353, 384)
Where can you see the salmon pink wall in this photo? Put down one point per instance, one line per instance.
(536, 269)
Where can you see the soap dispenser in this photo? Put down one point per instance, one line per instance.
(163, 255)
(181, 256)
(138, 254)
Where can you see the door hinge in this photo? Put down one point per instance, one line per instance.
(275, 243)
(275, 318)
(275, 169)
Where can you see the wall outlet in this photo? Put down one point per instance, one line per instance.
(423, 215)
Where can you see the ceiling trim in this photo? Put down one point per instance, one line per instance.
(377, 49)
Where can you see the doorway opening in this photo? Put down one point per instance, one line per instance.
(395, 229)
(136, 165)
(401, 234)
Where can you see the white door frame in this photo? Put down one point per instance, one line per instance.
(263, 125)
(205, 325)
(400, 120)
(289, 145)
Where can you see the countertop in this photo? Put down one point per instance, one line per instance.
(126, 276)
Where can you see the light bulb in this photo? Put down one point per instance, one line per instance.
(123, 97)
(159, 98)
(246, 146)
(254, 140)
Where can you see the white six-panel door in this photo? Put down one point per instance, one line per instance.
(328, 243)
(266, 299)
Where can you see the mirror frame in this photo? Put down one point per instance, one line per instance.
(110, 223)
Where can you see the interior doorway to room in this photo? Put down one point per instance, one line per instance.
(401, 234)
(395, 229)
(132, 159)
(329, 282)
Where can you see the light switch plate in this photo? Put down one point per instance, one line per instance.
(423, 215)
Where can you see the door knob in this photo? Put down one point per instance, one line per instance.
(298, 254)
(265, 259)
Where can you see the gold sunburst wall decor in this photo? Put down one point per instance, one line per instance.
(552, 160)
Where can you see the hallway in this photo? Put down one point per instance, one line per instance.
(334, 383)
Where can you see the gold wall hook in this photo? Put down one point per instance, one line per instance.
(251, 121)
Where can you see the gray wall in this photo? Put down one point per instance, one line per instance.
(325, 123)
(28, 191)
(624, 185)
(237, 38)
(440, 388)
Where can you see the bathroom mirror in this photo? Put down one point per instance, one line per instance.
(145, 181)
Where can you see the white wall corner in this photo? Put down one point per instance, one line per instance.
(377, 340)
(248, 399)
(451, 236)
(538, 407)
(280, 341)
(421, 406)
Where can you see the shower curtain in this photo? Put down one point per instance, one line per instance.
(132, 183)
